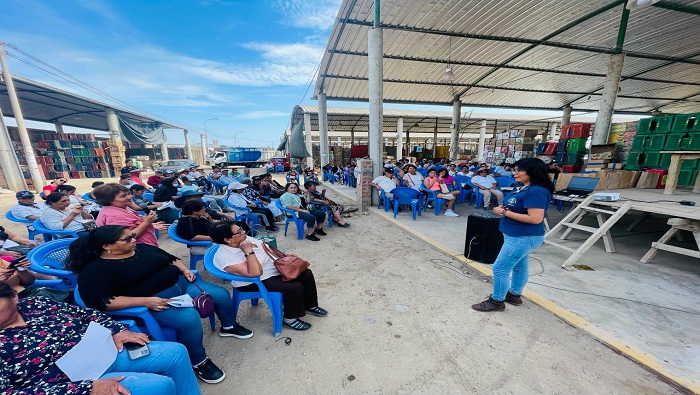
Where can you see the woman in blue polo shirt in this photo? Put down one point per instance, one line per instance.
(522, 226)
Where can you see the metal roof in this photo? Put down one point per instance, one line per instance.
(421, 124)
(44, 103)
(544, 54)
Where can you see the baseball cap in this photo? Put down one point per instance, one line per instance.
(309, 183)
(24, 194)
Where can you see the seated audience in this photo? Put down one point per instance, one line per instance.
(15, 245)
(434, 183)
(504, 170)
(292, 200)
(314, 196)
(412, 179)
(22, 280)
(45, 331)
(245, 177)
(237, 199)
(292, 176)
(270, 187)
(244, 256)
(59, 215)
(137, 198)
(154, 180)
(386, 182)
(129, 167)
(251, 194)
(26, 207)
(48, 189)
(115, 273)
(487, 186)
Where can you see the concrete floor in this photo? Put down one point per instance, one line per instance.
(652, 307)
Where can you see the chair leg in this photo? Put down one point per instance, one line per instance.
(300, 229)
(212, 322)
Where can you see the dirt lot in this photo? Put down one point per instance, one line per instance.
(400, 322)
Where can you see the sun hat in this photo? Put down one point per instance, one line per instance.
(237, 185)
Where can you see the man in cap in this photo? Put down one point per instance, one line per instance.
(226, 178)
(245, 177)
(240, 203)
(26, 207)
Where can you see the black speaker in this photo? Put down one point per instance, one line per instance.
(484, 240)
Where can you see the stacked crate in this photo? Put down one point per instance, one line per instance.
(572, 146)
(511, 146)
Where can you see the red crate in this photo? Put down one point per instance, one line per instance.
(550, 148)
(662, 177)
(576, 130)
(571, 168)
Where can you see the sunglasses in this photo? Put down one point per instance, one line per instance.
(62, 180)
(128, 238)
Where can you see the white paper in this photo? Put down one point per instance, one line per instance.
(181, 301)
(91, 357)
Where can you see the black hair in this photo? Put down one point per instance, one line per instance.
(286, 187)
(447, 173)
(4, 236)
(309, 184)
(222, 231)
(137, 187)
(105, 194)
(65, 187)
(86, 249)
(537, 171)
(54, 197)
(191, 206)
(124, 177)
(6, 291)
(97, 184)
(185, 179)
(432, 169)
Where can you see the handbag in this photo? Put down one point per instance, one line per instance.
(88, 224)
(444, 188)
(203, 303)
(289, 266)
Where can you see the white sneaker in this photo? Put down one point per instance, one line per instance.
(450, 213)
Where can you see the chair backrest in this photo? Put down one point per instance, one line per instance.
(50, 258)
(462, 180)
(148, 196)
(172, 232)
(505, 181)
(86, 196)
(404, 195)
(285, 210)
(12, 218)
(41, 228)
(423, 172)
(215, 271)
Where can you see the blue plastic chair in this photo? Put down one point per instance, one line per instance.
(407, 196)
(273, 299)
(86, 196)
(476, 195)
(251, 218)
(326, 210)
(464, 192)
(50, 233)
(423, 172)
(432, 197)
(294, 218)
(194, 258)
(148, 196)
(50, 259)
(383, 199)
(27, 222)
(505, 182)
(279, 168)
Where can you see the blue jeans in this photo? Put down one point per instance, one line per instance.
(165, 371)
(186, 321)
(513, 258)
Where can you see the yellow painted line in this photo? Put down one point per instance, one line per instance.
(647, 360)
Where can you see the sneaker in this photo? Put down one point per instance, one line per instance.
(450, 213)
(430, 206)
(513, 299)
(238, 331)
(274, 229)
(279, 223)
(320, 232)
(317, 311)
(489, 305)
(298, 325)
(345, 225)
(209, 373)
(487, 208)
(312, 238)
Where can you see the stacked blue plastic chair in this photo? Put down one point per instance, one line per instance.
(432, 197)
(407, 196)
(172, 232)
(26, 222)
(273, 299)
(49, 234)
(289, 217)
(50, 259)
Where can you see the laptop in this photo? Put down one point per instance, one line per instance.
(580, 186)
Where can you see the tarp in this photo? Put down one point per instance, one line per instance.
(297, 146)
(283, 144)
(142, 132)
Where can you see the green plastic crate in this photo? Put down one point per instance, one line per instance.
(643, 126)
(638, 142)
(687, 177)
(655, 142)
(652, 159)
(674, 141)
(693, 143)
(665, 161)
(634, 160)
(661, 124)
(576, 145)
(689, 164)
(684, 122)
(573, 158)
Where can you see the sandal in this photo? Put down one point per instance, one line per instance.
(317, 311)
(298, 324)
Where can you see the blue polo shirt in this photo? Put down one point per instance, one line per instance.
(518, 202)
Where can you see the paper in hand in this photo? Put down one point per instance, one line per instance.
(91, 357)
(181, 301)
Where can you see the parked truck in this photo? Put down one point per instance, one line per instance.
(238, 156)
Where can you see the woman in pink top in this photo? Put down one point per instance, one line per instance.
(435, 183)
(118, 209)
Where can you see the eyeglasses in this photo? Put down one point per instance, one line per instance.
(128, 238)
(238, 232)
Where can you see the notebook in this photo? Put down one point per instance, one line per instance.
(580, 186)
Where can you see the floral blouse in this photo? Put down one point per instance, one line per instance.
(28, 353)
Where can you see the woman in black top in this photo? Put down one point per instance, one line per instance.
(116, 273)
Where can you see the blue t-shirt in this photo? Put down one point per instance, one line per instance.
(518, 202)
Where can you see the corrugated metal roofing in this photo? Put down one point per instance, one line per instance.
(544, 54)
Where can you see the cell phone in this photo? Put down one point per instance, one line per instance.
(13, 264)
(136, 350)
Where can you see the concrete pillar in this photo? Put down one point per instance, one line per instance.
(59, 127)
(482, 141)
(188, 146)
(308, 140)
(323, 128)
(376, 97)
(552, 132)
(363, 174)
(203, 138)
(566, 116)
(8, 160)
(37, 178)
(399, 138)
(454, 129)
(164, 152)
(113, 125)
(607, 103)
